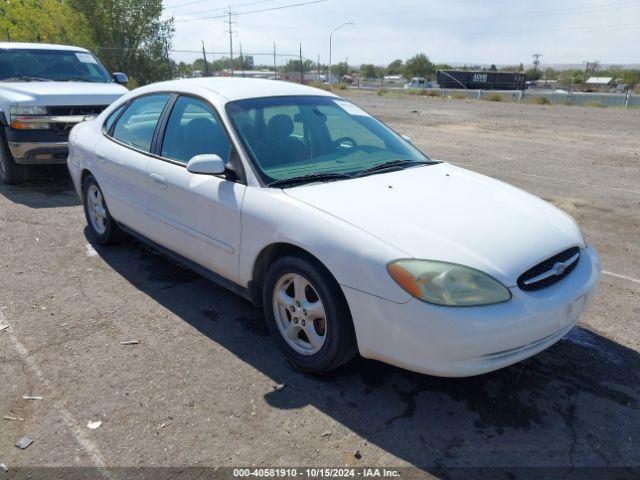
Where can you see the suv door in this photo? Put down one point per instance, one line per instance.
(196, 216)
(122, 156)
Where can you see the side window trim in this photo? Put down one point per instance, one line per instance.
(234, 156)
(123, 107)
(161, 126)
(126, 106)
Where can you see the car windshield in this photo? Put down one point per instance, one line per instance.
(312, 137)
(50, 65)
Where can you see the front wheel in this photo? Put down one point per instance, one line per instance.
(101, 223)
(308, 315)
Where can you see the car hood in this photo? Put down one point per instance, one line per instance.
(60, 93)
(442, 212)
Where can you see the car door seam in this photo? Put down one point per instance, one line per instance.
(191, 232)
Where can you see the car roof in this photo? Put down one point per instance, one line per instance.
(237, 88)
(40, 46)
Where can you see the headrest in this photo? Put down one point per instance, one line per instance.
(280, 126)
(198, 128)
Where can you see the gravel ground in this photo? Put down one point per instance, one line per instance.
(205, 387)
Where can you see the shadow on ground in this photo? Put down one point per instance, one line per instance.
(48, 187)
(570, 412)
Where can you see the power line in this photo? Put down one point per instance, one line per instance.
(475, 18)
(568, 30)
(225, 8)
(291, 5)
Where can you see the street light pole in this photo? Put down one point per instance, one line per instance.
(331, 44)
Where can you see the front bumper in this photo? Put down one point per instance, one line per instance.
(37, 153)
(37, 146)
(466, 341)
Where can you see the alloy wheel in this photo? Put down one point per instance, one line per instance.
(300, 314)
(97, 210)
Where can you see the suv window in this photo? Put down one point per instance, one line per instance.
(59, 65)
(194, 128)
(138, 122)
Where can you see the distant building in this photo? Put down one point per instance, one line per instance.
(481, 79)
(599, 81)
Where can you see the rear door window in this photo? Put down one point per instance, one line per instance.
(136, 125)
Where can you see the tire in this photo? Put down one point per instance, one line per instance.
(101, 224)
(11, 173)
(312, 342)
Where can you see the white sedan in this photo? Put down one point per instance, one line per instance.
(349, 237)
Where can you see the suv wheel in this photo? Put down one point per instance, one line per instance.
(102, 225)
(308, 315)
(11, 173)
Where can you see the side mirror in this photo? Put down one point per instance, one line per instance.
(207, 164)
(120, 78)
(407, 138)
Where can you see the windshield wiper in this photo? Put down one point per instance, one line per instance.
(393, 164)
(25, 78)
(312, 177)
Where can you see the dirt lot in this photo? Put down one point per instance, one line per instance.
(206, 387)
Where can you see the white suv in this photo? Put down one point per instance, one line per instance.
(44, 91)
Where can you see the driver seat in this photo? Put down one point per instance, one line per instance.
(285, 148)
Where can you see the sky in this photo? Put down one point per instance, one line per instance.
(473, 32)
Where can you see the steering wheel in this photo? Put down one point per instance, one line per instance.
(342, 140)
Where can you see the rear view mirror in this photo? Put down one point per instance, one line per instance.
(207, 164)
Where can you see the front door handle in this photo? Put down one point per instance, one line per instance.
(159, 179)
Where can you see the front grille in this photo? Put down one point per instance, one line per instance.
(77, 110)
(63, 129)
(546, 269)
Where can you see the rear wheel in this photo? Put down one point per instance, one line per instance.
(11, 173)
(308, 315)
(102, 225)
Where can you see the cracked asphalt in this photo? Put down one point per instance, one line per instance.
(205, 386)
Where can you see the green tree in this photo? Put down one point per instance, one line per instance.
(493, 68)
(418, 66)
(368, 71)
(532, 74)
(631, 77)
(339, 70)
(395, 67)
(294, 66)
(130, 36)
(49, 21)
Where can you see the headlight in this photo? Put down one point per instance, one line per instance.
(25, 117)
(27, 110)
(447, 284)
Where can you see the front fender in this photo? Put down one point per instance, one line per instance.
(355, 258)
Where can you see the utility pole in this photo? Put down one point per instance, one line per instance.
(536, 61)
(301, 66)
(319, 74)
(275, 65)
(8, 35)
(346, 68)
(230, 23)
(204, 56)
(241, 60)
